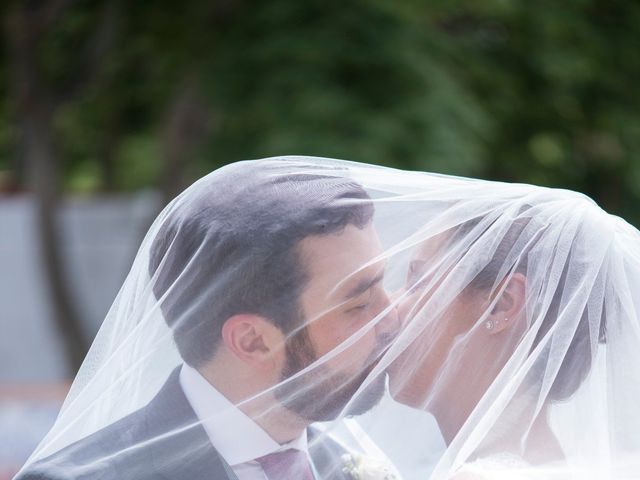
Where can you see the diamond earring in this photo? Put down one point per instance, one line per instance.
(490, 324)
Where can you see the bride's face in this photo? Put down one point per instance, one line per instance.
(451, 356)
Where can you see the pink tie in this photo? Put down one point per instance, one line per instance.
(287, 465)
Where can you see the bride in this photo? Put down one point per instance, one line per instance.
(521, 334)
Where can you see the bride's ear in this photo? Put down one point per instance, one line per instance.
(509, 304)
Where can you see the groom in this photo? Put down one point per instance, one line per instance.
(259, 272)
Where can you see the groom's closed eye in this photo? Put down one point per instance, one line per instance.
(362, 295)
(361, 302)
(362, 287)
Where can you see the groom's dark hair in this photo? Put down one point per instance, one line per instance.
(228, 245)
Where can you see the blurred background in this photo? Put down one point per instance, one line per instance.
(108, 108)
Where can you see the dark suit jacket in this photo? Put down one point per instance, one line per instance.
(134, 448)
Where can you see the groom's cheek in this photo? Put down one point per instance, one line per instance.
(353, 339)
(358, 354)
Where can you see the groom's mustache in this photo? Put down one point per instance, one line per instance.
(323, 394)
(368, 396)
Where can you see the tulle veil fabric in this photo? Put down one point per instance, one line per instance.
(494, 331)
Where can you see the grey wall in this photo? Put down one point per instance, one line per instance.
(100, 239)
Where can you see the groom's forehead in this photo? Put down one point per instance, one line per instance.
(359, 282)
(344, 264)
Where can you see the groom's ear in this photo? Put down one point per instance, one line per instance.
(253, 339)
(509, 304)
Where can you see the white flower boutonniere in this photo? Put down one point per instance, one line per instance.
(360, 467)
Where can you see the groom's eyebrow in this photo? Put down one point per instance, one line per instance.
(364, 285)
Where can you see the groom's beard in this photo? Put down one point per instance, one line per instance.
(321, 395)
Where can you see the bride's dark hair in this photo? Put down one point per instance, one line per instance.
(512, 254)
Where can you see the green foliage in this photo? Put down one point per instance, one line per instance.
(541, 92)
(357, 82)
(558, 79)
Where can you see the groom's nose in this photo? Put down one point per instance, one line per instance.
(389, 325)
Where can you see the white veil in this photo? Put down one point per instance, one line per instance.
(332, 301)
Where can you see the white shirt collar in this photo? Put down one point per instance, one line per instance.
(233, 434)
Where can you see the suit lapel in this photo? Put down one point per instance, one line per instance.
(326, 455)
(181, 447)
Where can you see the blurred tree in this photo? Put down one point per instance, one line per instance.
(103, 95)
(558, 81)
(363, 80)
(38, 98)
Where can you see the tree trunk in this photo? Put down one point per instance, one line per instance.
(34, 111)
(185, 126)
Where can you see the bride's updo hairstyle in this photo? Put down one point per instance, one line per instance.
(230, 248)
(518, 247)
